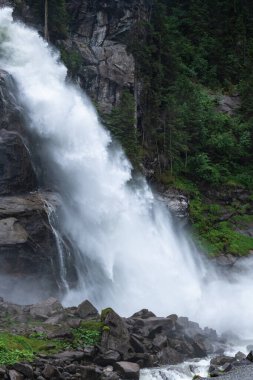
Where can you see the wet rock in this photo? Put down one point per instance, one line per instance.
(176, 202)
(17, 174)
(87, 311)
(127, 370)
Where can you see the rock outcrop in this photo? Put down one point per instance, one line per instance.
(100, 34)
(28, 249)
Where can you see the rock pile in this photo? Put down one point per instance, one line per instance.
(124, 346)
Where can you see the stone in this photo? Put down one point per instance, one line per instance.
(87, 311)
(107, 358)
(49, 371)
(25, 369)
(69, 355)
(240, 355)
(2, 373)
(117, 337)
(90, 372)
(144, 314)
(46, 308)
(14, 375)
(250, 356)
(127, 370)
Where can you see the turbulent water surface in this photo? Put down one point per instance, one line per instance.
(127, 253)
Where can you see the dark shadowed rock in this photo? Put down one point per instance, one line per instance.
(14, 375)
(250, 356)
(16, 171)
(87, 311)
(108, 358)
(25, 369)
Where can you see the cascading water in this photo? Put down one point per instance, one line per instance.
(127, 254)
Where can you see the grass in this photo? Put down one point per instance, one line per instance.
(88, 334)
(17, 348)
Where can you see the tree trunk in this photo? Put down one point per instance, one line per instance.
(46, 21)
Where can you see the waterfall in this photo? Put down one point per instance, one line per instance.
(127, 253)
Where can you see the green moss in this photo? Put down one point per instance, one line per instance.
(105, 312)
(216, 236)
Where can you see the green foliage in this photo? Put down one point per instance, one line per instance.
(121, 123)
(88, 334)
(105, 312)
(219, 236)
(189, 46)
(15, 348)
(72, 59)
(57, 16)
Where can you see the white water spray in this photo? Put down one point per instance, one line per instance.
(127, 253)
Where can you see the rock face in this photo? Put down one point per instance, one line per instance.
(101, 30)
(176, 202)
(16, 172)
(229, 104)
(28, 250)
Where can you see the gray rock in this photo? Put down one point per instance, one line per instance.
(108, 357)
(49, 371)
(14, 375)
(127, 370)
(117, 337)
(144, 314)
(46, 308)
(229, 104)
(87, 311)
(176, 202)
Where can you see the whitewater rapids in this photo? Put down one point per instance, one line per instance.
(128, 255)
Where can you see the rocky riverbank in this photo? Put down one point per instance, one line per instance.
(235, 367)
(53, 342)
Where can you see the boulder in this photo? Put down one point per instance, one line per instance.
(144, 314)
(87, 311)
(127, 370)
(25, 369)
(250, 356)
(116, 337)
(14, 375)
(46, 308)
